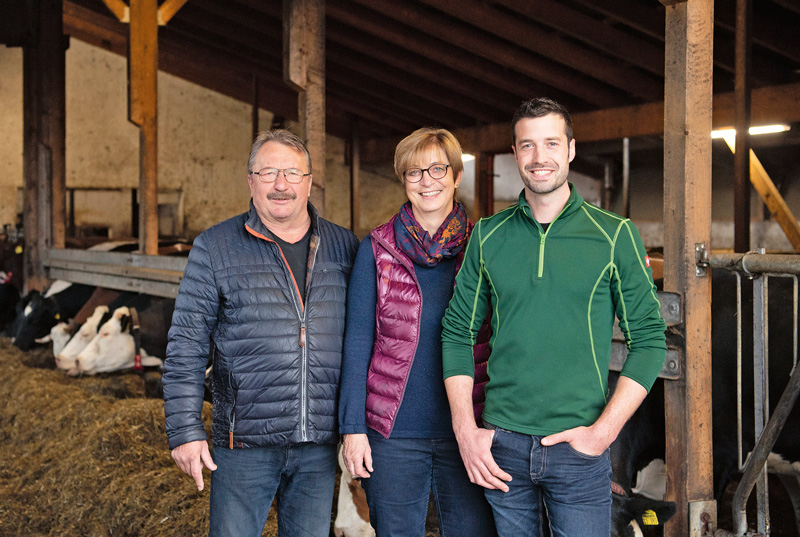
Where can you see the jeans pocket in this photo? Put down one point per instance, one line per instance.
(495, 430)
(583, 455)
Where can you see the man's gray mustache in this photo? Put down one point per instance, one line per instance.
(281, 196)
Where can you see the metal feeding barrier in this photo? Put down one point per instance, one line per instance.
(760, 268)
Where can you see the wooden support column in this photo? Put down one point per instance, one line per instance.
(254, 111)
(355, 176)
(304, 71)
(44, 105)
(145, 16)
(741, 159)
(687, 225)
(484, 185)
(143, 112)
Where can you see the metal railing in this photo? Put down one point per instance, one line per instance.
(760, 268)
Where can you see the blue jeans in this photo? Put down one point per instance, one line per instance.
(573, 488)
(406, 470)
(246, 480)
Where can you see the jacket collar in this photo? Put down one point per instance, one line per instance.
(573, 203)
(255, 226)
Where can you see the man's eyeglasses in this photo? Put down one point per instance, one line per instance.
(436, 171)
(270, 175)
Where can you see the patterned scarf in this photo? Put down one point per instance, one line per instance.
(423, 249)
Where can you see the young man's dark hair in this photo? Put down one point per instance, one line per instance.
(540, 107)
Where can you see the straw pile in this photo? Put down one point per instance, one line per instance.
(88, 457)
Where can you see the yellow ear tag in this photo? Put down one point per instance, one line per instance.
(18, 249)
(58, 318)
(649, 518)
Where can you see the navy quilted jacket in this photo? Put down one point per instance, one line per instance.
(277, 361)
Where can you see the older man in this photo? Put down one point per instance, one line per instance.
(555, 271)
(264, 293)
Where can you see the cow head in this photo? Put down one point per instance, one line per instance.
(65, 358)
(112, 349)
(638, 516)
(36, 315)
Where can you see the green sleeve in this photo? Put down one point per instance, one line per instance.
(638, 308)
(466, 311)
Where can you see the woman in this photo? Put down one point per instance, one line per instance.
(401, 284)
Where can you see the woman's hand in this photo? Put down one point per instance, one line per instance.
(357, 455)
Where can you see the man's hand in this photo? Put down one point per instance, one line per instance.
(191, 457)
(357, 455)
(475, 446)
(594, 440)
(583, 439)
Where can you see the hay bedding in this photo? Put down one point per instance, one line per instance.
(88, 457)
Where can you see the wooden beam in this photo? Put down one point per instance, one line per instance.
(423, 69)
(484, 185)
(304, 69)
(384, 29)
(355, 177)
(44, 174)
(550, 45)
(742, 105)
(493, 49)
(775, 104)
(167, 10)
(687, 223)
(120, 10)
(769, 193)
(143, 112)
(578, 25)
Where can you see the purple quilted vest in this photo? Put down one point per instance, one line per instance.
(398, 314)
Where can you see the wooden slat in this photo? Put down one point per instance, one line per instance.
(154, 275)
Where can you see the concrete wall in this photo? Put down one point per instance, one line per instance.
(10, 132)
(204, 142)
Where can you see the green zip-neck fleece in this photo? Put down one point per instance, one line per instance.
(553, 296)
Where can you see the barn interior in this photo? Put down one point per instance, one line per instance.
(115, 128)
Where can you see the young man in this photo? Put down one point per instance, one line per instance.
(265, 293)
(555, 271)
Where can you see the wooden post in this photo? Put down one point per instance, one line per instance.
(484, 185)
(43, 141)
(687, 226)
(355, 177)
(741, 159)
(304, 70)
(143, 111)
(254, 110)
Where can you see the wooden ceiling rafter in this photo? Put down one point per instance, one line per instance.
(547, 44)
(424, 70)
(476, 42)
(591, 31)
(382, 28)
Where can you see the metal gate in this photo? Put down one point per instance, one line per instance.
(760, 268)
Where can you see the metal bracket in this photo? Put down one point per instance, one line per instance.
(702, 518)
(701, 259)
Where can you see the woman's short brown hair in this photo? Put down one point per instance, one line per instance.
(410, 148)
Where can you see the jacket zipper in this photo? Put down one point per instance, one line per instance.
(233, 409)
(304, 362)
(543, 238)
